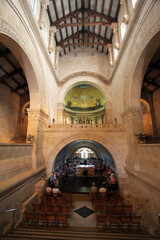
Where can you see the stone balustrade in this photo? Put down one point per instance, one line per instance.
(85, 126)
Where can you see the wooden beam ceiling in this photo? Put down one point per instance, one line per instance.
(81, 17)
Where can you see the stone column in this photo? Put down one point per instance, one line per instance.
(37, 118)
(110, 47)
(60, 112)
(44, 5)
(108, 112)
(52, 31)
(133, 120)
(58, 49)
(126, 12)
(114, 26)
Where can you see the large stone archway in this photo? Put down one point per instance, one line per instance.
(11, 39)
(116, 149)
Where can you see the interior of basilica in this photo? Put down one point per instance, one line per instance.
(80, 109)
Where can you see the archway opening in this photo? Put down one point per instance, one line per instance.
(14, 98)
(150, 94)
(77, 157)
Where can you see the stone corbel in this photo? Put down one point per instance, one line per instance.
(52, 31)
(114, 26)
(126, 12)
(110, 47)
(58, 49)
(44, 5)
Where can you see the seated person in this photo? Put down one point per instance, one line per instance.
(48, 192)
(113, 182)
(93, 189)
(56, 191)
(51, 181)
(103, 190)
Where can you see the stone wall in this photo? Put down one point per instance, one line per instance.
(148, 155)
(84, 60)
(14, 159)
(15, 193)
(9, 105)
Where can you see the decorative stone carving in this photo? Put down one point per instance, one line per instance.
(114, 26)
(37, 114)
(110, 47)
(44, 5)
(52, 31)
(92, 74)
(132, 112)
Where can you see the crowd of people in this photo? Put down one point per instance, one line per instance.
(109, 185)
(60, 175)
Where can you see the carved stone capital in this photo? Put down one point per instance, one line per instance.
(52, 29)
(132, 112)
(37, 115)
(60, 106)
(114, 26)
(58, 49)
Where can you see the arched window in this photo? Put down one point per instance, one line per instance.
(123, 29)
(134, 3)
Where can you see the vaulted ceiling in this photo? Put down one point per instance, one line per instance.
(82, 23)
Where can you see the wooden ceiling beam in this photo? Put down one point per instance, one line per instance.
(6, 52)
(8, 75)
(90, 35)
(20, 87)
(83, 44)
(79, 24)
(88, 11)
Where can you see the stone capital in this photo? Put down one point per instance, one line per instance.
(114, 25)
(58, 48)
(45, 3)
(60, 106)
(53, 29)
(132, 112)
(37, 114)
(110, 46)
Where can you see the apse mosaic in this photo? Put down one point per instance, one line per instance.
(84, 97)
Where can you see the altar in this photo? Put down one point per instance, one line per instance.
(80, 169)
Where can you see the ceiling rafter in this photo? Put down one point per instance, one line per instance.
(90, 12)
(11, 74)
(90, 16)
(90, 35)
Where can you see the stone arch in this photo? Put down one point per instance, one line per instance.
(11, 39)
(119, 155)
(103, 87)
(138, 66)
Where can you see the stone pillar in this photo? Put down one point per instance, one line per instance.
(58, 49)
(52, 31)
(126, 12)
(37, 118)
(110, 47)
(60, 112)
(114, 26)
(133, 120)
(44, 5)
(108, 112)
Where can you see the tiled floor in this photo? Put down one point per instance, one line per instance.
(75, 220)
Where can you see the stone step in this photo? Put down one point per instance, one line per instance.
(69, 234)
